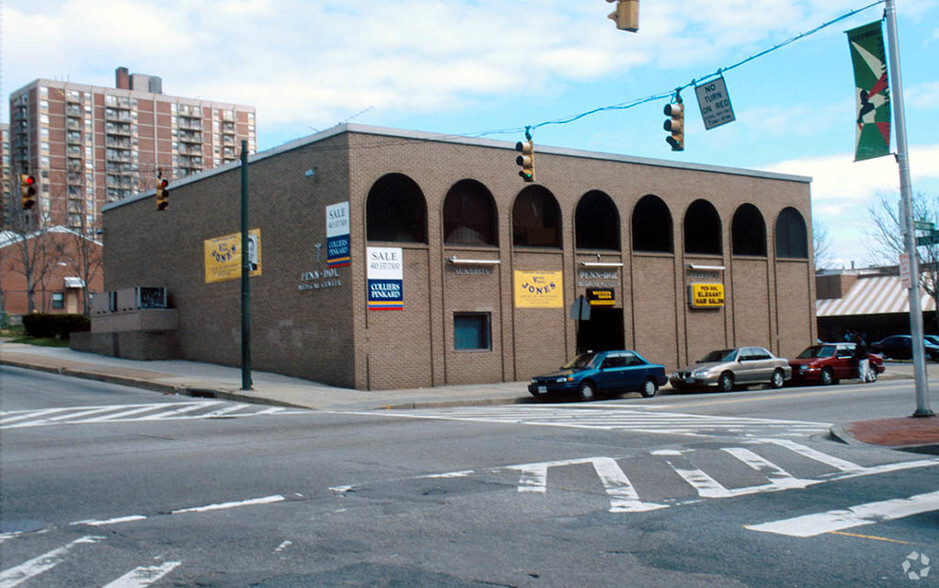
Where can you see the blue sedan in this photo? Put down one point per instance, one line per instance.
(601, 373)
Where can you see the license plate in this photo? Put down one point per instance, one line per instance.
(542, 389)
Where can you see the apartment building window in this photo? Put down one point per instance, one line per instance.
(58, 300)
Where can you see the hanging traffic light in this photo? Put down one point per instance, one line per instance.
(162, 194)
(626, 15)
(526, 159)
(28, 191)
(675, 124)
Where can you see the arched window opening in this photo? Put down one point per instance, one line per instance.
(703, 229)
(469, 215)
(596, 222)
(749, 231)
(396, 211)
(791, 236)
(652, 226)
(536, 219)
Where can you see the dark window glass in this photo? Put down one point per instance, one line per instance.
(469, 215)
(749, 231)
(597, 222)
(702, 229)
(471, 331)
(396, 211)
(58, 300)
(791, 236)
(652, 226)
(536, 219)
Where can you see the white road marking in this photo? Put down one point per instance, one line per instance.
(705, 485)
(227, 505)
(283, 546)
(114, 521)
(143, 576)
(45, 562)
(830, 460)
(779, 478)
(855, 516)
(125, 413)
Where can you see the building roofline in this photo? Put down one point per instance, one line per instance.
(49, 83)
(461, 140)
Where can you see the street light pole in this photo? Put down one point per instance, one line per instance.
(245, 271)
(909, 238)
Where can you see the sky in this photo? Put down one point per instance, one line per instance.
(490, 68)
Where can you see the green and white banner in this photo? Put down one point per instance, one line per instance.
(872, 91)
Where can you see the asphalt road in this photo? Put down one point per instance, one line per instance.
(105, 485)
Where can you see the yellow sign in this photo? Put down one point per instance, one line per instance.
(223, 256)
(706, 295)
(538, 290)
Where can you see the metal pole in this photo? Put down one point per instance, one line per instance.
(906, 196)
(245, 270)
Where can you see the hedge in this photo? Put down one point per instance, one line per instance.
(55, 326)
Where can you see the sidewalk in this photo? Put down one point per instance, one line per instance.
(215, 381)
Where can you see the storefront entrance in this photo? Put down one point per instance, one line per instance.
(603, 331)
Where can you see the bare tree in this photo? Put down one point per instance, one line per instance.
(887, 235)
(821, 245)
(85, 258)
(35, 254)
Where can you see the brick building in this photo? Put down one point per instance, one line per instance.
(59, 277)
(90, 145)
(396, 259)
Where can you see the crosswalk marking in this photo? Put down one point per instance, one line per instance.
(125, 413)
(143, 576)
(854, 516)
(618, 419)
(43, 563)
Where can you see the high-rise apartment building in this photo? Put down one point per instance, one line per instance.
(6, 176)
(90, 145)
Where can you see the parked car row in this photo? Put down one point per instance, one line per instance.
(606, 373)
(901, 346)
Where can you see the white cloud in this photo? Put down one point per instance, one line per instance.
(925, 96)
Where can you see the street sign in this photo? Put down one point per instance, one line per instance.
(931, 239)
(921, 225)
(714, 103)
(906, 277)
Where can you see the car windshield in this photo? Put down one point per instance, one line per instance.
(582, 361)
(719, 355)
(818, 351)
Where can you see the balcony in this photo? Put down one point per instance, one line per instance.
(73, 110)
(194, 124)
(123, 129)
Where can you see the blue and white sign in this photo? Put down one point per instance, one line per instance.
(385, 276)
(337, 235)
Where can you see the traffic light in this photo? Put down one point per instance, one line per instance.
(626, 15)
(526, 160)
(675, 124)
(162, 194)
(28, 191)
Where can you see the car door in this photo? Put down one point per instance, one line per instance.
(845, 363)
(763, 364)
(746, 370)
(633, 372)
(610, 375)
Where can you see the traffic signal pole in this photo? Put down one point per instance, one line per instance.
(245, 271)
(909, 238)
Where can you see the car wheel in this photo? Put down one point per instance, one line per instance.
(726, 382)
(827, 377)
(587, 391)
(649, 388)
(777, 380)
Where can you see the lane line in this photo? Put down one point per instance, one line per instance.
(45, 562)
(859, 536)
(114, 521)
(863, 514)
(226, 505)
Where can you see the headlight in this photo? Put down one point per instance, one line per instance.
(534, 381)
(565, 379)
(700, 373)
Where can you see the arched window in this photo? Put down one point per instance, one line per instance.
(396, 211)
(791, 236)
(652, 226)
(749, 231)
(597, 222)
(469, 215)
(703, 229)
(536, 219)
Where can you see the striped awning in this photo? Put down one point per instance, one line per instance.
(873, 295)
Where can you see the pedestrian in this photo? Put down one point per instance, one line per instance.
(863, 361)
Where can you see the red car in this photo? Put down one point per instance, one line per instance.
(826, 363)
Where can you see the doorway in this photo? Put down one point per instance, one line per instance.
(603, 331)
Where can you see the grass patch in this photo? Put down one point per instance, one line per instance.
(17, 334)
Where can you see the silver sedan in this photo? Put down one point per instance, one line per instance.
(728, 368)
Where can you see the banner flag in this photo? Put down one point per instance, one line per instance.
(871, 90)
